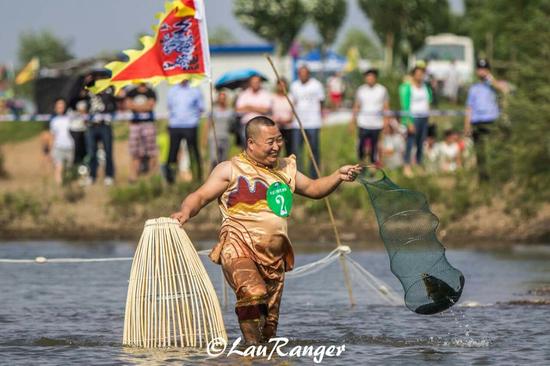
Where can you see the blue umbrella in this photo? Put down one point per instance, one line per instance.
(236, 78)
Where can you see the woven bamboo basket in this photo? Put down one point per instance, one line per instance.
(171, 301)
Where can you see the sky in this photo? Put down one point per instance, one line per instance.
(114, 25)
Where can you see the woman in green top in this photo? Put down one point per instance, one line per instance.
(416, 98)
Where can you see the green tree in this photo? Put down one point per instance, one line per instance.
(521, 163)
(221, 35)
(489, 25)
(328, 16)
(402, 25)
(276, 21)
(45, 45)
(355, 37)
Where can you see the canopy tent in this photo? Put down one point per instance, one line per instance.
(330, 62)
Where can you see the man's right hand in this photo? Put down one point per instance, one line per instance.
(180, 216)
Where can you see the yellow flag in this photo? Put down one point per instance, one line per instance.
(353, 59)
(28, 73)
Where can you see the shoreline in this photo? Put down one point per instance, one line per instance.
(302, 236)
(37, 209)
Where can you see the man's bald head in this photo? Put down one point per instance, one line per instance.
(253, 126)
(264, 141)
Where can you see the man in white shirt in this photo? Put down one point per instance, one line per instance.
(308, 95)
(369, 114)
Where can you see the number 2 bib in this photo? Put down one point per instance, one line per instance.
(279, 199)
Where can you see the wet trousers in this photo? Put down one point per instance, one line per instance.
(258, 289)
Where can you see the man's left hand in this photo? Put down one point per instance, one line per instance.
(348, 173)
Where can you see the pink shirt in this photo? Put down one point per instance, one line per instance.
(260, 99)
(281, 111)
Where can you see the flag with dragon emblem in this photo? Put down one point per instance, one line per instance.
(178, 51)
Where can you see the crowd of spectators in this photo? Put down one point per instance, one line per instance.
(80, 134)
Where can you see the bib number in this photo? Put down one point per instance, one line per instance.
(279, 199)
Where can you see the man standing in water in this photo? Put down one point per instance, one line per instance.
(254, 193)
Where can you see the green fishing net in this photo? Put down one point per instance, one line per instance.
(417, 258)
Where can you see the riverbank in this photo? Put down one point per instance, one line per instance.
(32, 207)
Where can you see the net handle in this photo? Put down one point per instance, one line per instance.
(377, 169)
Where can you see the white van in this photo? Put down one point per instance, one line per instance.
(440, 49)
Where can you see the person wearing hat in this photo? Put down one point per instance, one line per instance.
(482, 111)
(370, 114)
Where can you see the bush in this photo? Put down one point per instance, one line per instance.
(148, 198)
(18, 205)
(3, 172)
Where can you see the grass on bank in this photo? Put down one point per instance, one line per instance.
(12, 132)
(451, 196)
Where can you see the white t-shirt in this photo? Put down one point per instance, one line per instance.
(394, 146)
(261, 99)
(449, 154)
(371, 102)
(335, 84)
(59, 127)
(420, 101)
(307, 99)
(78, 122)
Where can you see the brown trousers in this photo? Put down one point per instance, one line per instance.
(258, 289)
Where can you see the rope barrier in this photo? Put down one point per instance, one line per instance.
(340, 252)
(125, 116)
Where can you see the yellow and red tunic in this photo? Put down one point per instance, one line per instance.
(249, 225)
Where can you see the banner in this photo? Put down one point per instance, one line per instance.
(178, 51)
(28, 73)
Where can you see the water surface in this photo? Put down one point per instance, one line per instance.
(59, 314)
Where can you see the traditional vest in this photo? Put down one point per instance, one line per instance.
(248, 223)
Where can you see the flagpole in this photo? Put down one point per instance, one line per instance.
(206, 46)
(317, 170)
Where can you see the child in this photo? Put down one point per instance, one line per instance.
(62, 144)
(450, 152)
(392, 146)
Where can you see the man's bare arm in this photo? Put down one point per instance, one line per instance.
(214, 186)
(322, 187)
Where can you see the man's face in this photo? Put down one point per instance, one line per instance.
(281, 87)
(222, 98)
(303, 74)
(255, 83)
(266, 145)
(482, 72)
(370, 79)
(59, 107)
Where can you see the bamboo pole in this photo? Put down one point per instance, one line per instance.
(317, 170)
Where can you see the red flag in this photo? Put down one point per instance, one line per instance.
(178, 51)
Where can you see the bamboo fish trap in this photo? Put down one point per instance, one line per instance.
(171, 301)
